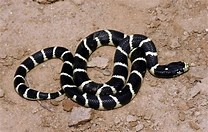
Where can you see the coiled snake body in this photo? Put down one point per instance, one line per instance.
(75, 82)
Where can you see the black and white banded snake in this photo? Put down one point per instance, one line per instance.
(75, 82)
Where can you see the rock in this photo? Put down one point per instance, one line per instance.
(154, 24)
(56, 77)
(36, 110)
(174, 43)
(131, 118)
(181, 116)
(183, 106)
(194, 125)
(148, 116)
(106, 72)
(67, 105)
(78, 2)
(45, 1)
(45, 122)
(2, 93)
(117, 120)
(3, 54)
(139, 127)
(193, 64)
(185, 36)
(133, 123)
(3, 26)
(99, 62)
(154, 83)
(197, 113)
(204, 102)
(80, 115)
(56, 101)
(190, 103)
(198, 50)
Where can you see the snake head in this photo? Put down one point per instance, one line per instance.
(177, 68)
(171, 70)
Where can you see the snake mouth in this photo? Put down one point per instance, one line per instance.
(186, 67)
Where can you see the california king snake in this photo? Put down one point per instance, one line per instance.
(75, 82)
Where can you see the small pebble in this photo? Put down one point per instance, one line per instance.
(3, 55)
(67, 105)
(117, 120)
(194, 125)
(183, 106)
(131, 118)
(185, 33)
(181, 116)
(197, 113)
(46, 1)
(35, 110)
(190, 103)
(2, 93)
(174, 43)
(204, 102)
(45, 122)
(78, 2)
(106, 72)
(133, 123)
(154, 83)
(198, 50)
(193, 64)
(56, 77)
(154, 24)
(3, 26)
(139, 127)
(148, 116)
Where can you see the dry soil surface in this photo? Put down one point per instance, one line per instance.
(178, 28)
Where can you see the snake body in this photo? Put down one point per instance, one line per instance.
(116, 92)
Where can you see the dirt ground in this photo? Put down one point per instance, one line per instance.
(178, 28)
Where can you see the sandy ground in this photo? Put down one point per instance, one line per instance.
(178, 28)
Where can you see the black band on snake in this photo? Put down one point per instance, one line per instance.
(116, 92)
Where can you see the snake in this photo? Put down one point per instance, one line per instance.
(119, 90)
